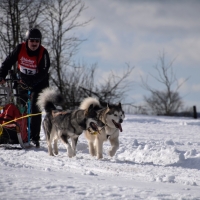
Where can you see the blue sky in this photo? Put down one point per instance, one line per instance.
(135, 32)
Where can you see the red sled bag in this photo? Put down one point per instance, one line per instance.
(9, 133)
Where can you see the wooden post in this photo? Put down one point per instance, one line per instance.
(194, 112)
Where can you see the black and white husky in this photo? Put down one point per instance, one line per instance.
(112, 116)
(64, 125)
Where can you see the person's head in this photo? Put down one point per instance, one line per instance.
(33, 38)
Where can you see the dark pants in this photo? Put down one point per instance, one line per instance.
(35, 120)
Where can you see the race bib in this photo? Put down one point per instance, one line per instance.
(27, 71)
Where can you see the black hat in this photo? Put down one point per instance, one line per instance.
(33, 33)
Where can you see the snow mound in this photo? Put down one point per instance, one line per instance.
(148, 154)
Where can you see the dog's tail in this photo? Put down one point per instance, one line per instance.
(85, 104)
(48, 98)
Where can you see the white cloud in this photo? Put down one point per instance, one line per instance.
(136, 31)
(188, 87)
(128, 31)
(196, 88)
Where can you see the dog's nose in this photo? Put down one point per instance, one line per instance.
(121, 120)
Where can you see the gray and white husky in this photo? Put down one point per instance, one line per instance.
(63, 124)
(112, 116)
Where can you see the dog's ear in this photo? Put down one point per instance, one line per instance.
(120, 105)
(108, 108)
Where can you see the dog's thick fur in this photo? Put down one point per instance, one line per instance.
(112, 116)
(64, 125)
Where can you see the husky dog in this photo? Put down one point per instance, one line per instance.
(64, 125)
(112, 116)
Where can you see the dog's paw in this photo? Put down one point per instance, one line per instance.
(70, 155)
(50, 152)
(99, 156)
(111, 153)
(70, 152)
(74, 153)
(92, 152)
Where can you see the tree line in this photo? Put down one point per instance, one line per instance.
(58, 20)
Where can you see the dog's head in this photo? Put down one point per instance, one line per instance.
(92, 120)
(114, 116)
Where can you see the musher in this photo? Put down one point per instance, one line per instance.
(33, 64)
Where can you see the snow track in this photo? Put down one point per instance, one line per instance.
(158, 158)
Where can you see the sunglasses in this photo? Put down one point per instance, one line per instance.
(37, 41)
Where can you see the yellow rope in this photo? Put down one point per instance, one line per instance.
(20, 118)
(29, 115)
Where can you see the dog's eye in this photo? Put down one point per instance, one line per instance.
(115, 115)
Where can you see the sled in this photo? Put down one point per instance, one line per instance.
(13, 124)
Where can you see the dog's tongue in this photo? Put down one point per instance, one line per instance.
(118, 125)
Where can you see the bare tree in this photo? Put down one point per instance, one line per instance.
(58, 19)
(168, 100)
(16, 17)
(61, 18)
(75, 81)
(10, 26)
(78, 77)
(80, 84)
(112, 89)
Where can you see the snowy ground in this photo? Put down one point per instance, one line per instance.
(158, 158)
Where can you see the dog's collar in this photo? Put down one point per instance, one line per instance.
(90, 130)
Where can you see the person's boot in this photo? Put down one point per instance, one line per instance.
(36, 143)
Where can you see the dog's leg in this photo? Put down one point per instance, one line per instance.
(55, 146)
(47, 130)
(91, 139)
(91, 148)
(74, 143)
(50, 150)
(67, 145)
(114, 146)
(99, 147)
